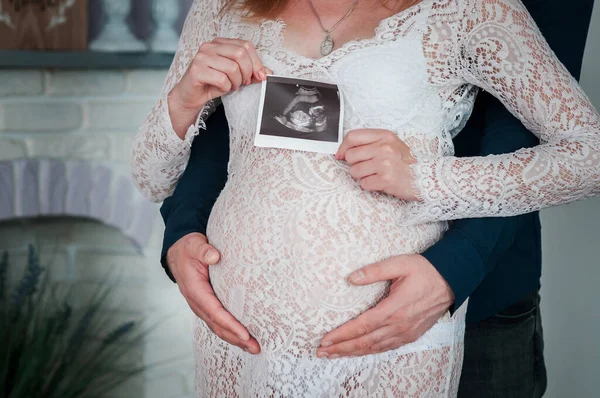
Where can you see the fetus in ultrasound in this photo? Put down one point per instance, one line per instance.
(306, 113)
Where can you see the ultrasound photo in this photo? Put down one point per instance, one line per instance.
(300, 114)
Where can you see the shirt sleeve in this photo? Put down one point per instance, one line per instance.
(499, 48)
(466, 254)
(189, 208)
(159, 156)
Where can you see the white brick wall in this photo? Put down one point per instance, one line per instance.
(93, 115)
(116, 113)
(39, 115)
(42, 112)
(14, 83)
(77, 83)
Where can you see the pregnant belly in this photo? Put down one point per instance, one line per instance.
(286, 256)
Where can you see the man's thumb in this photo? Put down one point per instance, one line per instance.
(391, 268)
(211, 256)
(202, 250)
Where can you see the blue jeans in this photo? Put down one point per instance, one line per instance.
(504, 355)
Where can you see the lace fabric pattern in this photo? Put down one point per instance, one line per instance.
(496, 45)
(292, 225)
(159, 156)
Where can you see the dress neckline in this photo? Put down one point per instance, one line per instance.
(378, 32)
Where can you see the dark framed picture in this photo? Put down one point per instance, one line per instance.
(43, 25)
(300, 114)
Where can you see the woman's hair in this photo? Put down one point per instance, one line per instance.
(257, 9)
(270, 9)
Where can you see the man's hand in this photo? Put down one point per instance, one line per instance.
(418, 297)
(188, 260)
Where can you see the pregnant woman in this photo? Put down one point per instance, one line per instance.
(288, 223)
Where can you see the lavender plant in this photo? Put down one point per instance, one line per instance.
(50, 350)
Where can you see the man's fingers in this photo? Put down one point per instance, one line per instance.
(362, 325)
(386, 270)
(388, 344)
(199, 249)
(361, 345)
(384, 345)
(215, 313)
(250, 346)
(201, 294)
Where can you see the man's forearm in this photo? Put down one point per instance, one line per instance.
(188, 209)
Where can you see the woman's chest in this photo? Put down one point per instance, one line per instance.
(383, 79)
(383, 85)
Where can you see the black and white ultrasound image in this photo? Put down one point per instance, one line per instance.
(301, 109)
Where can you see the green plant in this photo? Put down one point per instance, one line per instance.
(50, 350)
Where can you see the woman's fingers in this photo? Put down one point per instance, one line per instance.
(372, 183)
(227, 66)
(258, 70)
(361, 153)
(359, 137)
(238, 54)
(216, 78)
(236, 59)
(364, 169)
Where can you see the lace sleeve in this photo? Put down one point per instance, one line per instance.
(159, 156)
(500, 49)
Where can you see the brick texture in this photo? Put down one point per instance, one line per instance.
(75, 83)
(37, 116)
(18, 83)
(146, 82)
(117, 113)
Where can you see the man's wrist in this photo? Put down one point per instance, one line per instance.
(459, 263)
(440, 281)
(169, 261)
(165, 264)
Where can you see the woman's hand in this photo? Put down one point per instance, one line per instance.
(220, 66)
(380, 161)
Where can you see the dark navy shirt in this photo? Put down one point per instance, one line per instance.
(494, 261)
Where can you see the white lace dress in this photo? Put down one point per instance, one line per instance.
(292, 225)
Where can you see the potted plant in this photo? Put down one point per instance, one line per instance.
(48, 349)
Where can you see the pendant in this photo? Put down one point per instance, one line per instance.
(327, 45)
